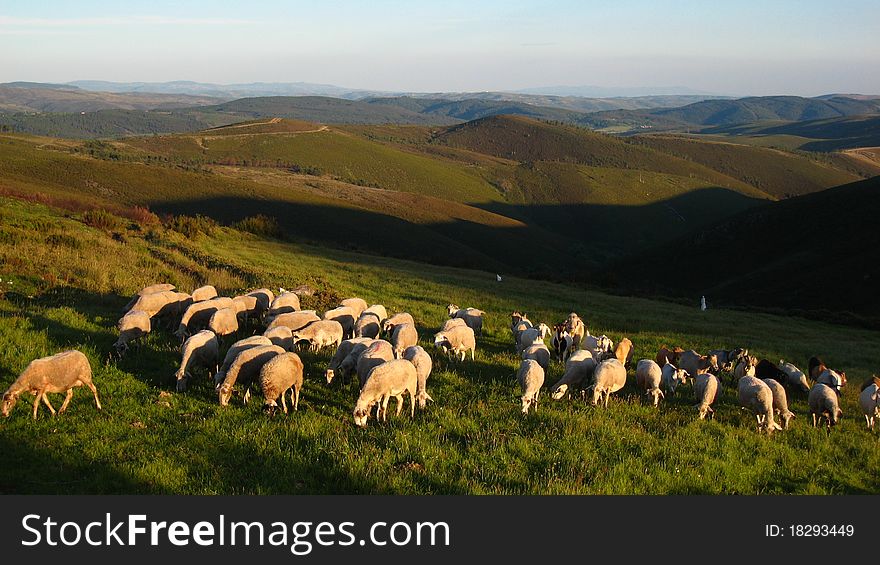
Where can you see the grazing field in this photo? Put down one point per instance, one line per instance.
(64, 282)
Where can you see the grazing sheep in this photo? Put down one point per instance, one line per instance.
(199, 314)
(320, 334)
(754, 394)
(152, 289)
(765, 369)
(378, 310)
(671, 356)
(833, 379)
(397, 319)
(375, 354)
(609, 377)
(579, 366)
(869, 400)
(341, 353)
(423, 364)
(518, 322)
(539, 353)
(253, 305)
(281, 374)
(471, 316)
(624, 351)
(58, 373)
(780, 401)
(824, 404)
(694, 363)
(201, 349)
(600, 347)
(171, 312)
(457, 341)
(293, 320)
(532, 336)
(794, 377)
(728, 359)
(223, 322)
(284, 303)
(745, 368)
(576, 329)
(245, 369)
(563, 343)
(265, 297)
(203, 293)
(348, 366)
(282, 336)
(707, 389)
(392, 378)
(158, 303)
(531, 379)
(133, 326)
(672, 377)
(452, 323)
(345, 317)
(367, 325)
(649, 375)
(358, 305)
(405, 335)
(234, 350)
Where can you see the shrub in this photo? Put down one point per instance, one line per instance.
(192, 226)
(101, 219)
(265, 226)
(143, 217)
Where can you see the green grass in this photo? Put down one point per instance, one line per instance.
(149, 439)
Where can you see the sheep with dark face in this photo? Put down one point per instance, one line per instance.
(200, 349)
(62, 372)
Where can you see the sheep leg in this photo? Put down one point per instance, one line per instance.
(294, 397)
(66, 401)
(39, 396)
(48, 404)
(399, 399)
(814, 419)
(284, 401)
(247, 394)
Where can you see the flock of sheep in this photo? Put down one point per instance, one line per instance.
(397, 366)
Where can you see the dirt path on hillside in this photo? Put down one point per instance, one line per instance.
(866, 155)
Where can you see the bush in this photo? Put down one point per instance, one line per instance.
(101, 219)
(265, 226)
(192, 226)
(143, 217)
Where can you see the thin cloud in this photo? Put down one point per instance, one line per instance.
(9, 21)
(547, 44)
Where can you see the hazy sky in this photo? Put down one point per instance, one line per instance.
(745, 47)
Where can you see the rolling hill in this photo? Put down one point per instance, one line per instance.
(832, 134)
(58, 98)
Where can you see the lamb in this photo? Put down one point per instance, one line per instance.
(223, 322)
(672, 377)
(780, 401)
(358, 305)
(375, 354)
(563, 343)
(367, 325)
(246, 368)
(199, 314)
(378, 310)
(754, 394)
(203, 293)
(456, 341)
(345, 317)
(600, 347)
(824, 404)
(199, 349)
(393, 378)
(405, 335)
(539, 353)
(576, 328)
(293, 320)
(284, 303)
(671, 356)
(471, 316)
(423, 364)
(234, 350)
(452, 323)
(869, 400)
(578, 367)
(282, 336)
(794, 377)
(58, 373)
(707, 389)
(320, 334)
(694, 363)
(341, 353)
(133, 326)
(532, 336)
(152, 289)
(609, 377)
(624, 351)
(531, 379)
(649, 375)
(397, 319)
(281, 374)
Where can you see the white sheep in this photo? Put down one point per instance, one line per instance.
(576, 328)
(320, 334)
(157, 303)
(392, 378)
(694, 363)
(794, 376)
(578, 368)
(284, 303)
(608, 378)
(358, 305)
(672, 377)
(58, 373)
(201, 349)
(532, 336)
(234, 350)
(707, 389)
(824, 404)
(423, 364)
(203, 293)
(397, 319)
(539, 353)
(367, 325)
(341, 353)
(293, 320)
(869, 400)
(348, 366)
(471, 316)
(780, 401)
(378, 310)
(649, 376)
(531, 379)
(133, 326)
(282, 336)
(601, 347)
(253, 305)
(345, 316)
(375, 354)
(197, 316)
(281, 374)
(404, 335)
(245, 369)
(151, 289)
(223, 322)
(452, 323)
(754, 394)
(457, 341)
(745, 368)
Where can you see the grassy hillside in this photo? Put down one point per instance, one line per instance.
(69, 281)
(102, 123)
(816, 253)
(815, 135)
(59, 98)
(472, 109)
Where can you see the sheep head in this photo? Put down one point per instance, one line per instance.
(559, 392)
(9, 400)
(224, 394)
(329, 373)
(452, 309)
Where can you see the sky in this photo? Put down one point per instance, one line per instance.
(745, 47)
